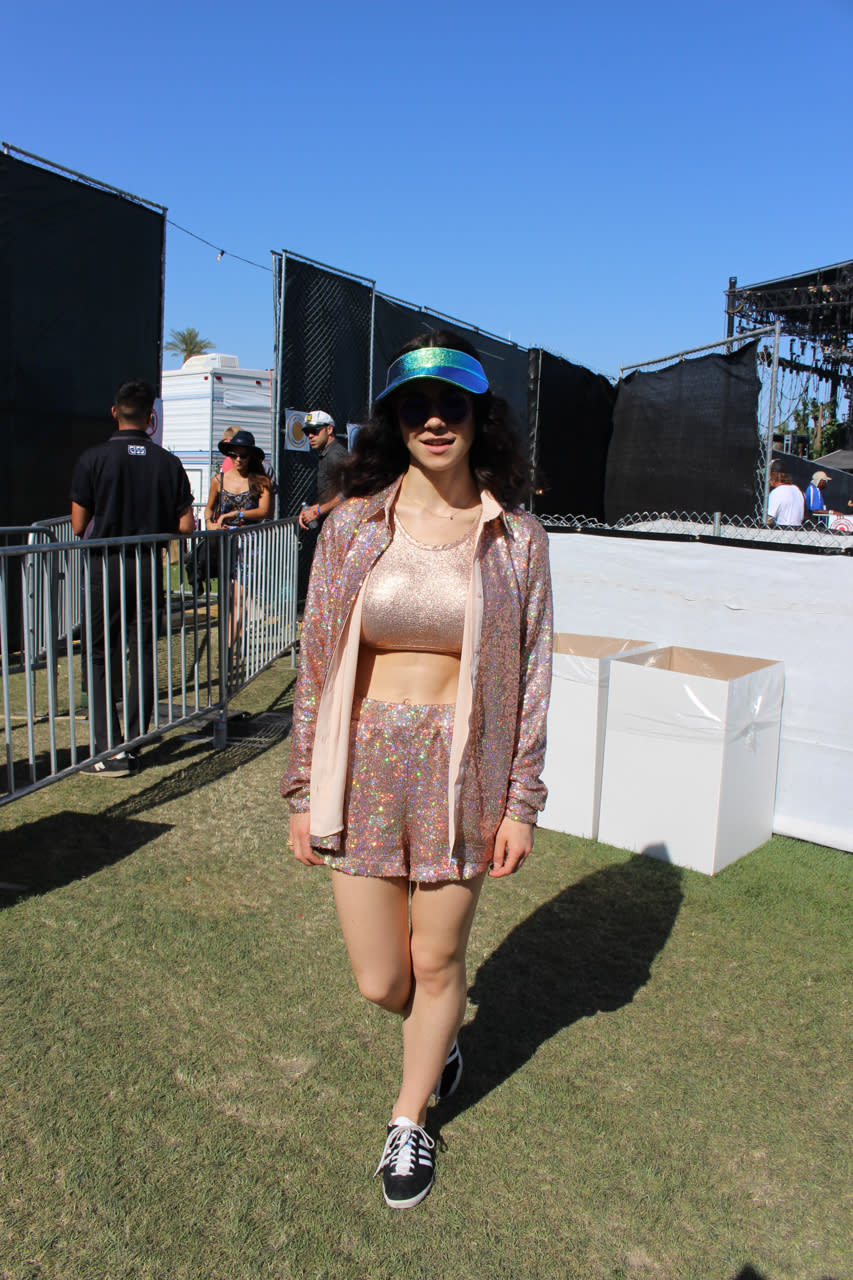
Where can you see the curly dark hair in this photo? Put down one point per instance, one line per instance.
(379, 455)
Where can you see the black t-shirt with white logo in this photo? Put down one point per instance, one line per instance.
(131, 486)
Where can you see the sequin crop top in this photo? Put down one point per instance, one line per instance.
(416, 594)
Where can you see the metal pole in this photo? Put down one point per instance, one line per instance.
(211, 462)
(771, 415)
(534, 355)
(220, 727)
(370, 351)
(692, 351)
(278, 308)
(281, 454)
(730, 308)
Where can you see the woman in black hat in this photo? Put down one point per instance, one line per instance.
(243, 494)
(239, 497)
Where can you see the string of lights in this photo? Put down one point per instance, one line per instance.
(221, 253)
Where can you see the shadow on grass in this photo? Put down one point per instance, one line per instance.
(588, 950)
(52, 851)
(191, 762)
(59, 848)
(750, 1273)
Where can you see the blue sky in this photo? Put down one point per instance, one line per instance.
(581, 177)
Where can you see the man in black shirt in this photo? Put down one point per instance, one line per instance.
(126, 486)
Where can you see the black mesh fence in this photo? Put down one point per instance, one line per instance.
(324, 364)
(685, 438)
(81, 306)
(326, 342)
(298, 483)
(573, 421)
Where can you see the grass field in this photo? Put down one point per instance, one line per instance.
(657, 1064)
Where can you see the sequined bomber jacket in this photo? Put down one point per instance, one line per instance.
(504, 677)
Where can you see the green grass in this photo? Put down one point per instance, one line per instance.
(657, 1064)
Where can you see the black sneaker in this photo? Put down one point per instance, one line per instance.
(115, 767)
(451, 1073)
(407, 1165)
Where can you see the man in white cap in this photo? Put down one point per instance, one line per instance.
(815, 504)
(320, 430)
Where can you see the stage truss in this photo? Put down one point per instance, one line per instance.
(814, 311)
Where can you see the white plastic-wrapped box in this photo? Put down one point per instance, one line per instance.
(691, 750)
(576, 718)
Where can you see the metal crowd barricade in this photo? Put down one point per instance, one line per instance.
(263, 568)
(59, 530)
(172, 636)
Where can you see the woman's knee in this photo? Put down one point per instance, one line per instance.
(435, 969)
(389, 990)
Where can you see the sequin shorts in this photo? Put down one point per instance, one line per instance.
(395, 815)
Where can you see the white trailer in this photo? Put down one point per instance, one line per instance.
(200, 400)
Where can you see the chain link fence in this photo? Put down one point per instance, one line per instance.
(714, 527)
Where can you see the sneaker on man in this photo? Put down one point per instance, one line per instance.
(407, 1165)
(119, 766)
(451, 1074)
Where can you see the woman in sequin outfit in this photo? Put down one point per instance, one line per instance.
(419, 718)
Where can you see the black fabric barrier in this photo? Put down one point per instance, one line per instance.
(562, 412)
(685, 438)
(575, 408)
(326, 343)
(81, 311)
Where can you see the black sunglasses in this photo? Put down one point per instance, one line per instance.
(312, 431)
(415, 407)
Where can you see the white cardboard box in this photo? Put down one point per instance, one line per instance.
(691, 749)
(576, 716)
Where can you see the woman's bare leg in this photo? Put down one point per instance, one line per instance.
(235, 620)
(441, 922)
(374, 918)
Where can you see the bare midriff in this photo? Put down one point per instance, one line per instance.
(422, 679)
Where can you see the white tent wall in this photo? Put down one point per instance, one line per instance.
(790, 606)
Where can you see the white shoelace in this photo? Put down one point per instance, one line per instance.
(403, 1148)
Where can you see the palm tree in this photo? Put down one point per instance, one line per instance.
(186, 343)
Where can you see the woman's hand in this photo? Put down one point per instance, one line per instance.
(512, 845)
(300, 840)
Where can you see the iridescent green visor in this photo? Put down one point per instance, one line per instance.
(442, 363)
